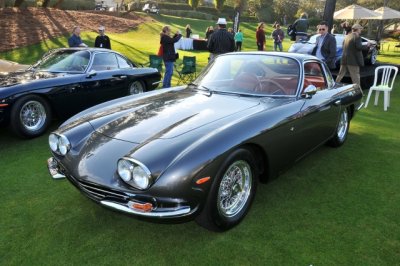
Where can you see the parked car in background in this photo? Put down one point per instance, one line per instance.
(151, 8)
(306, 46)
(198, 152)
(66, 81)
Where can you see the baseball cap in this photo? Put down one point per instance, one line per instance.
(221, 21)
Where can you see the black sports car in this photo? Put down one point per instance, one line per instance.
(199, 151)
(66, 81)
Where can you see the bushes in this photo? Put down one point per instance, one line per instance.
(173, 7)
(189, 14)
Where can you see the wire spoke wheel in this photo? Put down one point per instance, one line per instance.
(33, 115)
(343, 126)
(235, 188)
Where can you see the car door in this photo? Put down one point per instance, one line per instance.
(106, 80)
(318, 116)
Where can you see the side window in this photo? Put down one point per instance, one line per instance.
(313, 75)
(123, 63)
(104, 61)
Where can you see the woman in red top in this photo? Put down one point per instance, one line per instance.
(260, 37)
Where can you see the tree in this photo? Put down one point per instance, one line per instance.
(18, 3)
(219, 4)
(2, 3)
(285, 7)
(45, 3)
(194, 3)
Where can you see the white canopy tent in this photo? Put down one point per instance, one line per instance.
(387, 13)
(356, 12)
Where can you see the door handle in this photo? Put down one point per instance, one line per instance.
(337, 102)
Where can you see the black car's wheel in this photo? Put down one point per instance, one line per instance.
(137, 87)
(373, 56)
(342, 129)
(30, 116)
(231, 194)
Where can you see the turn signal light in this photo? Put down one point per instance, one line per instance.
(3, 104)
(143, 207)
(203, 180)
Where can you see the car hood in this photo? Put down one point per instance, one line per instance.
(23, 77)
(167, 115)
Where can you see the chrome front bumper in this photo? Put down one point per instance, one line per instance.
(54, 170)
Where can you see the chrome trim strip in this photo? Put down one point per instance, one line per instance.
(113, 205)
(92, 189)
(157, 82)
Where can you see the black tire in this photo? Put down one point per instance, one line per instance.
(30, 116)
(137, 87)
(229, 201)
(342, 129)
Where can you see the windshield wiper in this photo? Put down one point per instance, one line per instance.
(200, 87)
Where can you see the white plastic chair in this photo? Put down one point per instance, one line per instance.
(386, 85)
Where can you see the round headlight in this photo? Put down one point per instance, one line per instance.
(63, 145)
(134, 173)
(53, 142)
(125, 170)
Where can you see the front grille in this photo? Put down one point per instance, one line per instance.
(98, 192)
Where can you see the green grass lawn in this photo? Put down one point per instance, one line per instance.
(336, 207)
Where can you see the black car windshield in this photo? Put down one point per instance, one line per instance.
(65, 61)
(253, 74)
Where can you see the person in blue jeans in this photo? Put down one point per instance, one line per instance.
(169, 55)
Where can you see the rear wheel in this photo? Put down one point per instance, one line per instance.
(137, 87)
(231, 194)
(342, 129)
(372, 59)
(30, 116)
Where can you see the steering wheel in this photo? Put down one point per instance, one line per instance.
(279, 90)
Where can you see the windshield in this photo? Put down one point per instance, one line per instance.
(261, 75)
(65, 61)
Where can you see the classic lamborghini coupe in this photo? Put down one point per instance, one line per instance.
(65, 82)
(198, 151)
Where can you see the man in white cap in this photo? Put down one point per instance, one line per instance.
(352, 57)
(102, 41)
(220, 41)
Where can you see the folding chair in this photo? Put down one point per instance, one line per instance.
(187, 71)
(155, 62)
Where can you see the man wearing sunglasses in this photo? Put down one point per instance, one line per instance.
(325, 48)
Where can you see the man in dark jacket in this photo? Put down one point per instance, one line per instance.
(301, 26)
(325, 48)
(221, 41)
(102, 40)
(352, 57)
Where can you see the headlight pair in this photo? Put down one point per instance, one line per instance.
(59, 144)
(134, 173)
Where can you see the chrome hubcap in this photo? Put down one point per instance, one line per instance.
(343, 124)
(234, 189)
(136, 88)
(32, 115)
(373, 57)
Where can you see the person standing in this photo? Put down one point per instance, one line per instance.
(239, 40)
(301, 26)
(325, 48)
(221, 41)
(169, 56)
(278, 36)
(188, 31)
(352, 57)
(75, 39)
(102, 40)
(346, 27)
(210, 30)
(260, 36)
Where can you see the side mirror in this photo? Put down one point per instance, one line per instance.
(91, 73)
(309, 91)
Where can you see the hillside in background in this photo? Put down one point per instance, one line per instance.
(21, 27)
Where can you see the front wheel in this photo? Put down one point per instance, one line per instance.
(231, 194)
(30, 116)
(137, 87)
(372, 59)
(342, 130)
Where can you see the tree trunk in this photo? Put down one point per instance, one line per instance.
(45, 3)
(2, 3)
(328, 12)
(58, 4)
(18, 3)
